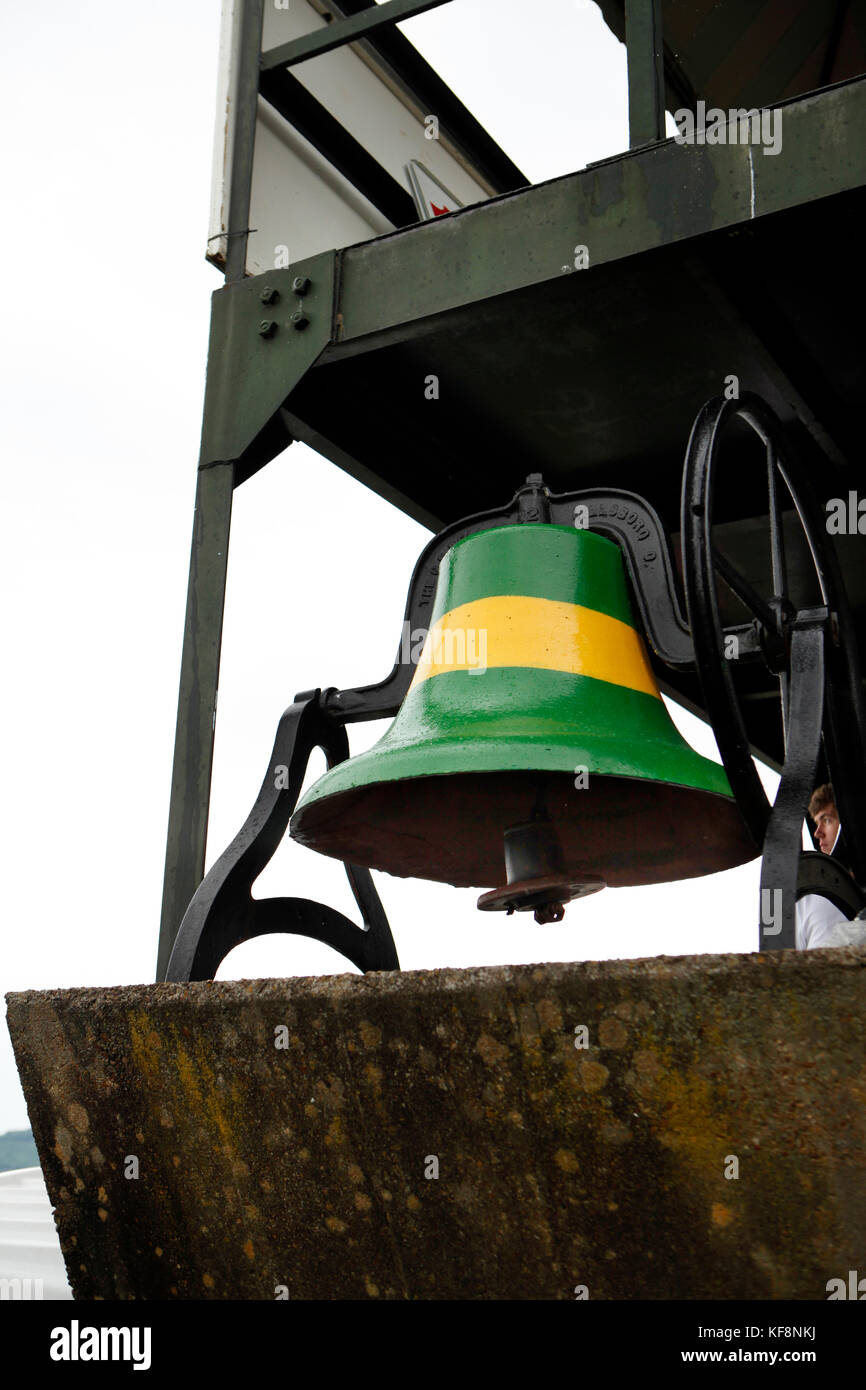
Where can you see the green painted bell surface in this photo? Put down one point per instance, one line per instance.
(533, 696)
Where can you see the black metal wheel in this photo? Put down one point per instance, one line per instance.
(774, 622)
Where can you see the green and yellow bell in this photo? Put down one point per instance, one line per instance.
(533, 737)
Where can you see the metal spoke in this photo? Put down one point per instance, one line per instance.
(780, 576)
(744, 591)
(777, 537)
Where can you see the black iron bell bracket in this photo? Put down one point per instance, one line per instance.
(621, 516)
(223, 912)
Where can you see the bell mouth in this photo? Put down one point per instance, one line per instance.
(450, 829)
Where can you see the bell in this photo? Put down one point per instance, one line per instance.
(533, 738)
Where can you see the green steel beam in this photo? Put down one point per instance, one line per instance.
(392, 288)
(646, 71)
(285, 55)
(398, 286)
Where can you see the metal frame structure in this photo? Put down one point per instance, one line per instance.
(272, 335)
(818, 673)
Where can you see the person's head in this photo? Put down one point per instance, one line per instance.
(822, 809)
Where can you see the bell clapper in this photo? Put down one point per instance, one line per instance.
(537, 880)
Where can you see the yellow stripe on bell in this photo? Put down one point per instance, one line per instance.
(514, 630)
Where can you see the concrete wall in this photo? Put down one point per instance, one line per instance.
(309, 1168)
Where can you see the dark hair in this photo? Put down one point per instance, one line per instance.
(821, 797)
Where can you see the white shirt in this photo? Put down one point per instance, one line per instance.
(819, 923)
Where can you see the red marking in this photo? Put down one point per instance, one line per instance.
(437, 212)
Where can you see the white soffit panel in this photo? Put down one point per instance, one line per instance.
(300, 203)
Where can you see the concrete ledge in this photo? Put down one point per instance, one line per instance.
(303, 1167)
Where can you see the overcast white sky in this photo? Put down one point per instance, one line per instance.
(107, 121)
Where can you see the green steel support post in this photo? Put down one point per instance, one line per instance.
(202, 638)
(646, 76)
(254, 363)
(246, 100)
(196, 710)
